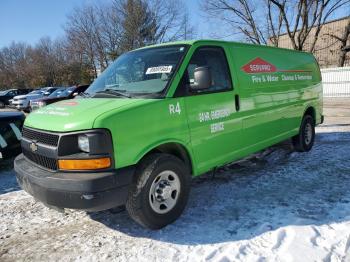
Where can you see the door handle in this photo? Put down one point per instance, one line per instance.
(237, 102)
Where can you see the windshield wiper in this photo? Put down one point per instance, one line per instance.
(115, 92)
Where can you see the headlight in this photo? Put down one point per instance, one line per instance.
(88, 150)
(83, 143)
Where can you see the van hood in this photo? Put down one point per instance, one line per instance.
(76, 114)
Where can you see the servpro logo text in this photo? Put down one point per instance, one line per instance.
(261, 71)
(256, 79)
(259, 65)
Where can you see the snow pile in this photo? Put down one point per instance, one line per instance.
(277, 205)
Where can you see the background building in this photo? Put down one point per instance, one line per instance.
(328, 47)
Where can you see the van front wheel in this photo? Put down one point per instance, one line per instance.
(304, 141)
(159, 192)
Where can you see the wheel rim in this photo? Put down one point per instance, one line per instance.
(164, 192)
(308, 133)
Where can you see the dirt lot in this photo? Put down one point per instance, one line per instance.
(278, 205)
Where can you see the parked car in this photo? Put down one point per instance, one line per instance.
(36, 103)
(58, 95)
(10, 133)
(159, 116)
(7, 95)
(22, 102)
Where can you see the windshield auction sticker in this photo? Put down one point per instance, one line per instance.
(159, 70)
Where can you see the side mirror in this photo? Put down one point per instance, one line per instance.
(202, 79)
(46, 93)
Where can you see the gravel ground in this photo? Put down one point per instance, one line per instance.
(277, 205)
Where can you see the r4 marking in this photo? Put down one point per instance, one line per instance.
(174, 109)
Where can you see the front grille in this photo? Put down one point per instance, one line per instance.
(47, 162)
(40, 137)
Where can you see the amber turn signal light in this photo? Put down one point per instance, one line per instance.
(84, 164)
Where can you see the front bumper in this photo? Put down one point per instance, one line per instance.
(87, 191)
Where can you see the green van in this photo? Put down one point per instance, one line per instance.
(162, 114)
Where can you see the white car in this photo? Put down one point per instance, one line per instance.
(22, 102)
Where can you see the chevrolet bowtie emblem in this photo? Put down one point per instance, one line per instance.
(33, 146)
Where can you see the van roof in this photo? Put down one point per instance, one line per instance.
(192, 42)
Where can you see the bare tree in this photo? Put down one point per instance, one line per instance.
(100, 33)
(172, 19)
(46, 64)
(344, 46)
(274, 23)
(300, 20)
(84, 37)
(110, 29)
(44, 58)
(13, 63)
(69, 68)
(310, 16)
(149, 22)
(241, 16)
(186, 30)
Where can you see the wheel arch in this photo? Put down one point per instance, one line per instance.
(310, 110)
(174, 148)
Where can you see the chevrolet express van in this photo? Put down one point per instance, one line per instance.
(162, 114)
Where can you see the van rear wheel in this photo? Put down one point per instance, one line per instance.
(304, 141)
(159, 192)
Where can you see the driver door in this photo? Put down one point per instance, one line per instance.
(214, 129)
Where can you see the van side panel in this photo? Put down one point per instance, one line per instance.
(276, 87)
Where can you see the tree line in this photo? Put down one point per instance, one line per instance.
(95, 34)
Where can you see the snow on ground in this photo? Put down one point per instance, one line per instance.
(278, 205)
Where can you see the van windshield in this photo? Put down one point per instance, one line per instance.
(140, 72)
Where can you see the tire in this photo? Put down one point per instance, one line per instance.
(2, 104)
(159, 192)
(304, 141)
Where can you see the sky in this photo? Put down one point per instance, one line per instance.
(29, 20)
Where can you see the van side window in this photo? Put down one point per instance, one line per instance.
(215, 59)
